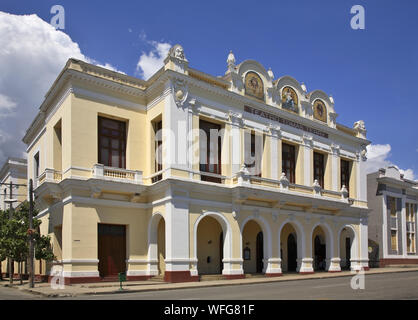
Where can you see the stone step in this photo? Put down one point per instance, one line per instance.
(159, 278)
(211, 277)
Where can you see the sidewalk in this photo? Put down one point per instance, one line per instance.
(45, 289)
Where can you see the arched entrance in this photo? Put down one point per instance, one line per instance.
(161, 247)
(347, 248)
(209, 244)
(292, 252)
(156, 245)
(289, 249)
(253, 247)
(319, 249)
(260, 252)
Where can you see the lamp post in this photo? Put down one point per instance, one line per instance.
(30, 231)
(10, 202)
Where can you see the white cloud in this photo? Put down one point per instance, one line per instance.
(377, 155)
(32, 53)
(151, 62)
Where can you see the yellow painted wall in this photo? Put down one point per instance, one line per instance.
(249, 239)
(208, 245)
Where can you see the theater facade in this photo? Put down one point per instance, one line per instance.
(188, 174)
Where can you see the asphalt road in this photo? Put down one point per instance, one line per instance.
(378, 286)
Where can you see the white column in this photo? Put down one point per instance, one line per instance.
(176, 123)
(361, 176)
(364, 243)
(235, 134)
(385, 249)
(335, 157)
(177, 235)
(307, 148)
(274, 133)
(403, 224)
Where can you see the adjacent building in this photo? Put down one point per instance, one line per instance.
(13, 186)
(187, 174)
(393, 201)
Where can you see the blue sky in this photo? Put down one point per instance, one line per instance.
(371, 73)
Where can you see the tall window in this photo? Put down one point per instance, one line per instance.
(319, 168)
(253, 153)
(289, 161)
(112, 143)
(158, 144)
(210, 151)
(394, 240)
(392, 206)
(410, 227)
(345, 174)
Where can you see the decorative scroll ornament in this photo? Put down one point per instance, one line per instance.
(180, 91)
(363, 152)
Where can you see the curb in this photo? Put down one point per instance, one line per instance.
(188, 286)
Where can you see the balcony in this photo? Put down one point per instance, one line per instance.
(116, 174)
(49, 175)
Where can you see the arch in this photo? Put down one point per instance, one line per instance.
(289, 81)
(300, 240)
(227, 235)
(264, 226)
(353, 248)
(328, 242)
(153, 254)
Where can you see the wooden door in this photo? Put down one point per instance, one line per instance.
(111, 249)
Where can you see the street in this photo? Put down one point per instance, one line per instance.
(395, 286)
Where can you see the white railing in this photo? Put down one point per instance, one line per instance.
(49, 175)
(116, 174)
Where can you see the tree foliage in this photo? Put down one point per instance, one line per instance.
(14, 237)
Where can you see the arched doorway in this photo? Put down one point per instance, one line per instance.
(259, 252)
(161, 247)
(347, 248)
(319, 249)
(209, 244)
(292, 252)
(156, 245)
(289, 251)
(253, 247)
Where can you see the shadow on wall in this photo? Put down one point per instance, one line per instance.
(373, 254)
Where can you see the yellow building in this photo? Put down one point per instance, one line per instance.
(188, 174)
